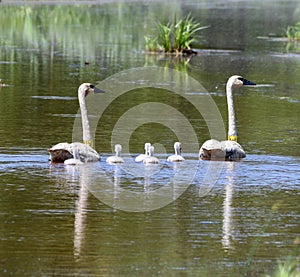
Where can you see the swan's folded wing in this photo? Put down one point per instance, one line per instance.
(233, 150)
(84, 152)
(212, 150)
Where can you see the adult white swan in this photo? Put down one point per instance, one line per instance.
(177, 156)
(230, 149)
(83, 152)
(142, 157)
(117, 158)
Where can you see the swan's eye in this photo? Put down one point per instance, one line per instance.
(241, 79)
(92, 86)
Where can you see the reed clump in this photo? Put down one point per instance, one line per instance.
(293, 32)
(174, 37)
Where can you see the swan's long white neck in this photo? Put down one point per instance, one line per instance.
(118, 150)
(86, 129)
(177, 149)
(232, 129)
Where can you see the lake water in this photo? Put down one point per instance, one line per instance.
(199, 218)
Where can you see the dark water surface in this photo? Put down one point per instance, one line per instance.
(200, 218)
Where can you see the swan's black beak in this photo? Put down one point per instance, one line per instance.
(247, 83)
(95, 89)
(98, 90)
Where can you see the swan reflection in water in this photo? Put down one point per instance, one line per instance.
(75, 180)
(227, 227)
(120, 197)
(80, 210)
(81, 206)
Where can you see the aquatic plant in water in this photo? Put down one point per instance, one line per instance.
(293, 32)
(293, 35)
(174, 37)
(289, 268)
(152, 44)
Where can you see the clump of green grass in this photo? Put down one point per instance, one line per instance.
(152, 44)
(174, 37)
(291, 266)
(293, 32)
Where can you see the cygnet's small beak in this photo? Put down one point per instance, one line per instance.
(248, 83)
